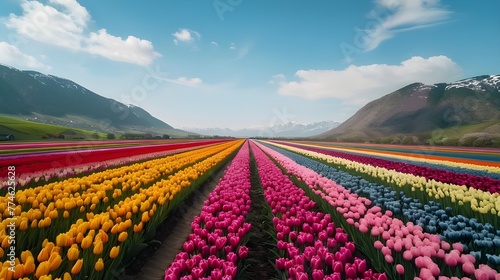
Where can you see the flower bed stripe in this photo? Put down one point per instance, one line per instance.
(95, 245)
(312, 246)
(482, 239)
(469, 202)
(408, 251)
(478, 182)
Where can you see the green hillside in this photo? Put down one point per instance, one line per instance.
(27, 130)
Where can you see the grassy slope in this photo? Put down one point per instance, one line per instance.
(26, 130)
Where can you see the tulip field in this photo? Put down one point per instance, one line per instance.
(280, 210)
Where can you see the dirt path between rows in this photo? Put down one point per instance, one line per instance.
(153, 261)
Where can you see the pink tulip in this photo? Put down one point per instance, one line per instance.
(318, 274)
(400, 269)
(243, 252)
(350, 271)
(468, 267)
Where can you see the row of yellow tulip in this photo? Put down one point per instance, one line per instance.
(480, 204)
(417, 158)
(103, 237)
(45, 203)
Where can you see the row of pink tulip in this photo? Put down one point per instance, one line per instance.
(310, 243)
(214, 248)
(407, 250)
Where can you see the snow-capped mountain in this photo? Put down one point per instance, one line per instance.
(480, 83)
(290, 129)
(55, 100)
(419, 109)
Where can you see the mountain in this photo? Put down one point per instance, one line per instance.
(443, 113)
(288, 130)
(50, 99)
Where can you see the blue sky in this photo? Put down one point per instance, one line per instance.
(241, 63)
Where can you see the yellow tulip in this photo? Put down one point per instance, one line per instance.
(67, 276)
(73, 253)
(99, 265)
(62, 240)
(98, 247)
(43, 255)
(42, 269)
(123, 236)
(29, 265)
(55, 262)
(77, 267)
(114, 252)
(145, 217)
(138, 228)
(86, 242)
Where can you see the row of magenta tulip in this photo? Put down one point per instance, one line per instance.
(403, 250)
(482, 240)
(312, 247)
(215, 246)
(469, 202)
(94, 246)
(478, 182)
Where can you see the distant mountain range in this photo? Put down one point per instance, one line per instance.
(50, 99)
(287, 130)
(447, 114)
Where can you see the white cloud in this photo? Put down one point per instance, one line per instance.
(189, 81)
(359, 84)
(232, 46)
(186, 36)
(11, 55)
(132, 50)
(64, 23)
(214, 43)
(403, 15)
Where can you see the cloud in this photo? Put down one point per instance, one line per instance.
(232, 46)
(402, 16)
(190, 82)
(186, 36)
(11, 55)
(359, 84)
(64, 23)
(214, 43)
